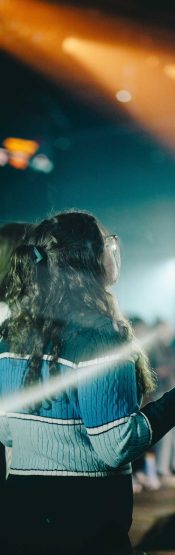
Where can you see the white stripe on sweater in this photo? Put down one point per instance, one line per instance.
(65, 362)
(22, 472)
(105, 427)
(44, 419)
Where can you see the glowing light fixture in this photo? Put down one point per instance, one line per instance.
(18, 160)
(70, 44)
(123, 96)
(41, 163)
(14, 144)
(18, 153)
(3, 157)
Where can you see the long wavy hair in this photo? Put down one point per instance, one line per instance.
(11, 235)
(69, 280)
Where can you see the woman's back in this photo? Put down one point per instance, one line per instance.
(52, 439)
(52, 442)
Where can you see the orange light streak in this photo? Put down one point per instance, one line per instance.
(98, 56)
(152, 95)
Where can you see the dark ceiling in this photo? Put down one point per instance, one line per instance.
(156, 11)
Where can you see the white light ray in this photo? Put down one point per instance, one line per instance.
(81, 371)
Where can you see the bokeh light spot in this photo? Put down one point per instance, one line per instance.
(123, 96)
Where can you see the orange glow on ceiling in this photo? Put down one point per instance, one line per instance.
(98, 56)
(129, 71)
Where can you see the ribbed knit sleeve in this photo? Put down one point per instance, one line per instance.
(108, 404)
